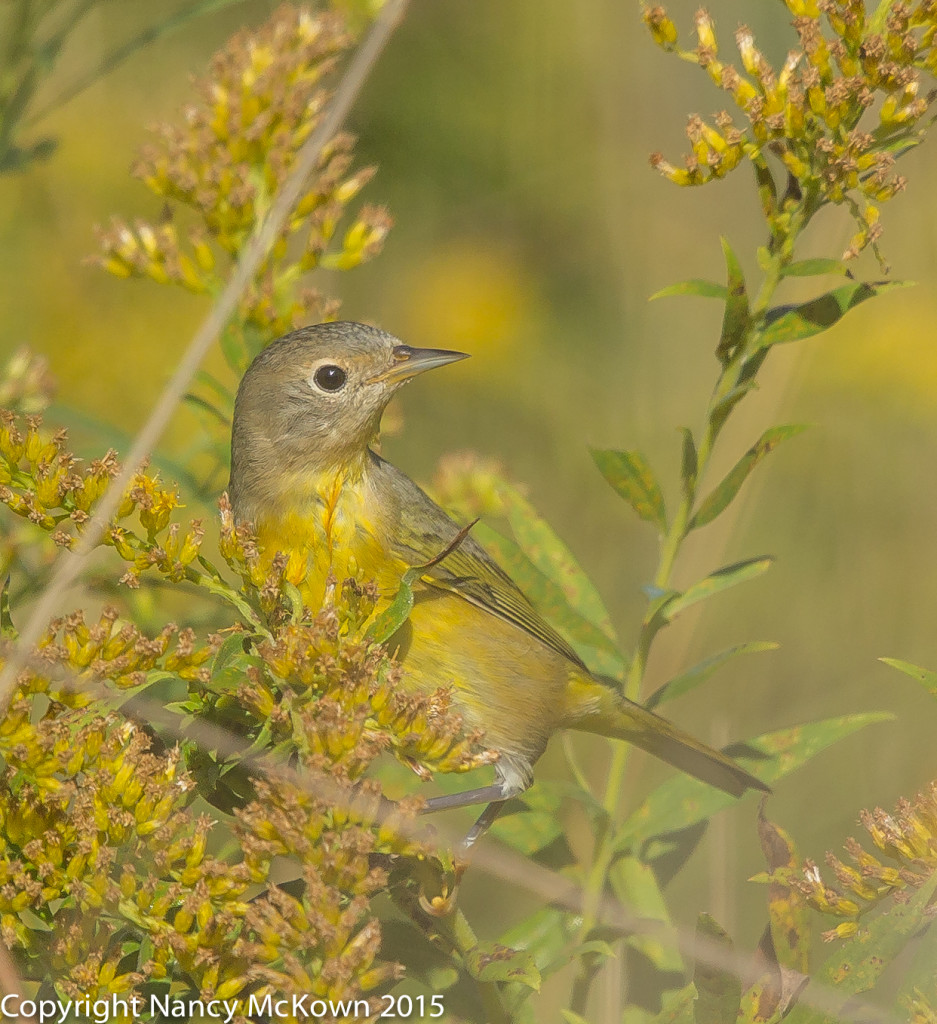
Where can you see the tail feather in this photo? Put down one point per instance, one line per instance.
(606, 712)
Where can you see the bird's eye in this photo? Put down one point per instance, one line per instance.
(330, 378)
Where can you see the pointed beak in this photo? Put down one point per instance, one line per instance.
(408, 362)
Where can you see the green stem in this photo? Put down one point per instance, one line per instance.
(730, 377)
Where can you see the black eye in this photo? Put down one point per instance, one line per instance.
(330, 378)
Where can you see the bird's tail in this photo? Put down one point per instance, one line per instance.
(597, 708)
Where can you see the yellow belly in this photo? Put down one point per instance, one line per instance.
(505, 681)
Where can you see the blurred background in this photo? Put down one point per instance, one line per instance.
(512, 142)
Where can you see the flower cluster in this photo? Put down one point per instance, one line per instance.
(907, 838)
(261, 99)
(42, 481)
(99, 842)
(99, 847)
(809, 114)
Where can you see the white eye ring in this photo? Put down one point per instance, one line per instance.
(328, 378)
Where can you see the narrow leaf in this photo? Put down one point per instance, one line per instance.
(689, 466)
(924, 676)
(630, 474)
(554, 559)
(919, 983)
(694, 286)
(792, 323)
(636, 886)
(203, 403)
(814, 268)
(700, 672)
(7, 630)
(592, 645)
(787, 906)
(490, 961)
(544, 935)
(595, 949)
(719, 991)
(528, 831)
(682, 801)
(715, 583)
(737, 318)
(676, 1008)
(718, 499)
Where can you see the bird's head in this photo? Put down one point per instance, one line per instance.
(313, 399)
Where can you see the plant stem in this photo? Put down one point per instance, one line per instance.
(744, 361)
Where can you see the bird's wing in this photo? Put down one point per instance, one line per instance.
(422, 533)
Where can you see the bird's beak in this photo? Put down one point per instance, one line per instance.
(408, 362)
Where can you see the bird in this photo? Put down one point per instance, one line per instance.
(305, 476)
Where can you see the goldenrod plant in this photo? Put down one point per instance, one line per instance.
(197, 814)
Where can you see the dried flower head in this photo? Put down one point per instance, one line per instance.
(836, 113)
(223, 164)
(908, 840)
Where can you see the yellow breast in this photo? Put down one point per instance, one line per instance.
(329, 525)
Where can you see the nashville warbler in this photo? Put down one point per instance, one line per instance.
(304, 475)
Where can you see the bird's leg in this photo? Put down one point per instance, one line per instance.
(482, 795)
(484, 822)
(496, 796)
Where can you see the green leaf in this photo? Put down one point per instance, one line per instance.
(554, 559)
(767, 187)
(689, 466)
(7, 630)
(719, 498)
(856, 965)
(924, 676)
(592, 645)
(530, 830)
(720, 991)
(682, 801)
(694, 286)
(207, 406)
(544, 935)
(572, 1018)
(630, 474)
(700, 672)
(920, 979)
(737, 318)
(793, 323)
(490, 961)
(231, 647)
(33, 921)
(789, 921)
(814, 268)
(677, 1008)
(636, 886)
(715, 583)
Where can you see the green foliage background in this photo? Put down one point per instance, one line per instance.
(512, 142)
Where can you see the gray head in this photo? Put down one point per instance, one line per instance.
(313, 401)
